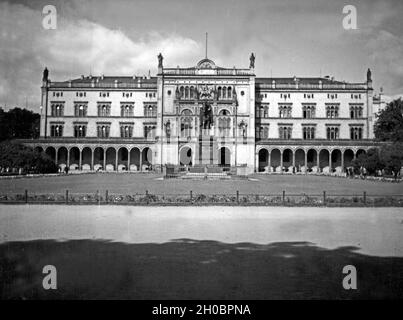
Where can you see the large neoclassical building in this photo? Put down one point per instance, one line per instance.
(206, 115)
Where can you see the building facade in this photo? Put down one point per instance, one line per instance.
(206, 115)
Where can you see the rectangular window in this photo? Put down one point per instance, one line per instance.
(332, 132)
(103, 130)
(332, 111)
(150, 111)
(80, 110)
(149, 131)
(356, 133)
(264, 111)
(262, 132)
(126, 131)
(308, 112)
(285, 132)
(308, 132)
(127, 110)
(57, 109)
(80, 131)
(356, 112)
(285, 111)
(104, 110)
(56, 130)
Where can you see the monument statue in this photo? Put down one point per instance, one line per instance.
(160, 59)
(252, 61)
(206, 116)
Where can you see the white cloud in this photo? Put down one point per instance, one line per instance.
(386, 52)
(75, 48)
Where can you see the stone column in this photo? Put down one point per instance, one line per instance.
(104, 159)
(293, 158)
(128, 159)
(281, 161)
(269, 158)
(68, 158)
(318, 159)
(80, 160)
(342, 160)
(141, 160)
(306, 161)
(116, 159)
(92, 159)
(257, 161)
(56, 156)
(330, 160)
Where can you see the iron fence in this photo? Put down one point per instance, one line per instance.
(193, 198)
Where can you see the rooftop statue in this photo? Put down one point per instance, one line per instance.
(369, 75)
(252, 61)
(45, 74)
(160, 59)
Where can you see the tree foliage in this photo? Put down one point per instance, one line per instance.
(389, 125)
(16, 156)
(19, 123)
(391, 157)
(370, 161)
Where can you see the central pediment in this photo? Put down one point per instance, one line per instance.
(206, 64)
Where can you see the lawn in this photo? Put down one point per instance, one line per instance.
(139, 183)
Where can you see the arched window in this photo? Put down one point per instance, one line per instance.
(229, 92)
(186, 112)
(219, 93)
(224, 126)
(186, 127)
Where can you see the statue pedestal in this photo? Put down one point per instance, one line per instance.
(207, 149)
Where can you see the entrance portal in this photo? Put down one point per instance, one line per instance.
(185, 156)
(224, 157)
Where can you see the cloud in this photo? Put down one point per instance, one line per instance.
(288, 37)
(386, 53)
(76, 47)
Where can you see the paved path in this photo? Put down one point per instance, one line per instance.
(127, 252)
(375, 231)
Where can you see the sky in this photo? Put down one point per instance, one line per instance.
(123, 37)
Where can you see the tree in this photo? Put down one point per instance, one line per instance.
(19, 123)
(391, 156)
(369, 160)
(389, 125)
(15, 155)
